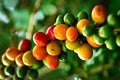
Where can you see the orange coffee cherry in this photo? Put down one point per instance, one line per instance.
(84, 51)
(11, 53)
(81, 24)
(92, 42)
(99, 14)
(39, 52)
(19, 60)
(51, 62)
(72, 33)
(60, 31)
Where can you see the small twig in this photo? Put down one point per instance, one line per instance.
(117, 30)
(31, 22)
(101, 68)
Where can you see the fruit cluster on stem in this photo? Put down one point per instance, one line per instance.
(68, 33)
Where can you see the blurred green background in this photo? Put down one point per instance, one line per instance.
(14, 20)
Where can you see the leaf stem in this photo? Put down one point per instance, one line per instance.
(31, 22)
(117, 30)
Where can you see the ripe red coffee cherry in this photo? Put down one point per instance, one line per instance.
(40, 39)
(50, 33)
(24, 45)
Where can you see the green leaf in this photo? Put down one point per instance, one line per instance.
(49, 9)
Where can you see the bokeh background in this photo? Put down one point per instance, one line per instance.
(14, 21)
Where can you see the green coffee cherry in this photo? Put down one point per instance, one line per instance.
(22, 71)
(118, 40)
(88, 30)
(15, 77)
(111, 43)
(9, 70)
(33, 74)
(82, 15)
(59, 19)
(69, 19)
(98, 39)
(105, 31)
(113, 20)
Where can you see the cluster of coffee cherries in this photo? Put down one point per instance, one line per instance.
(19, 62)
(74, 33)
(78, 34)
